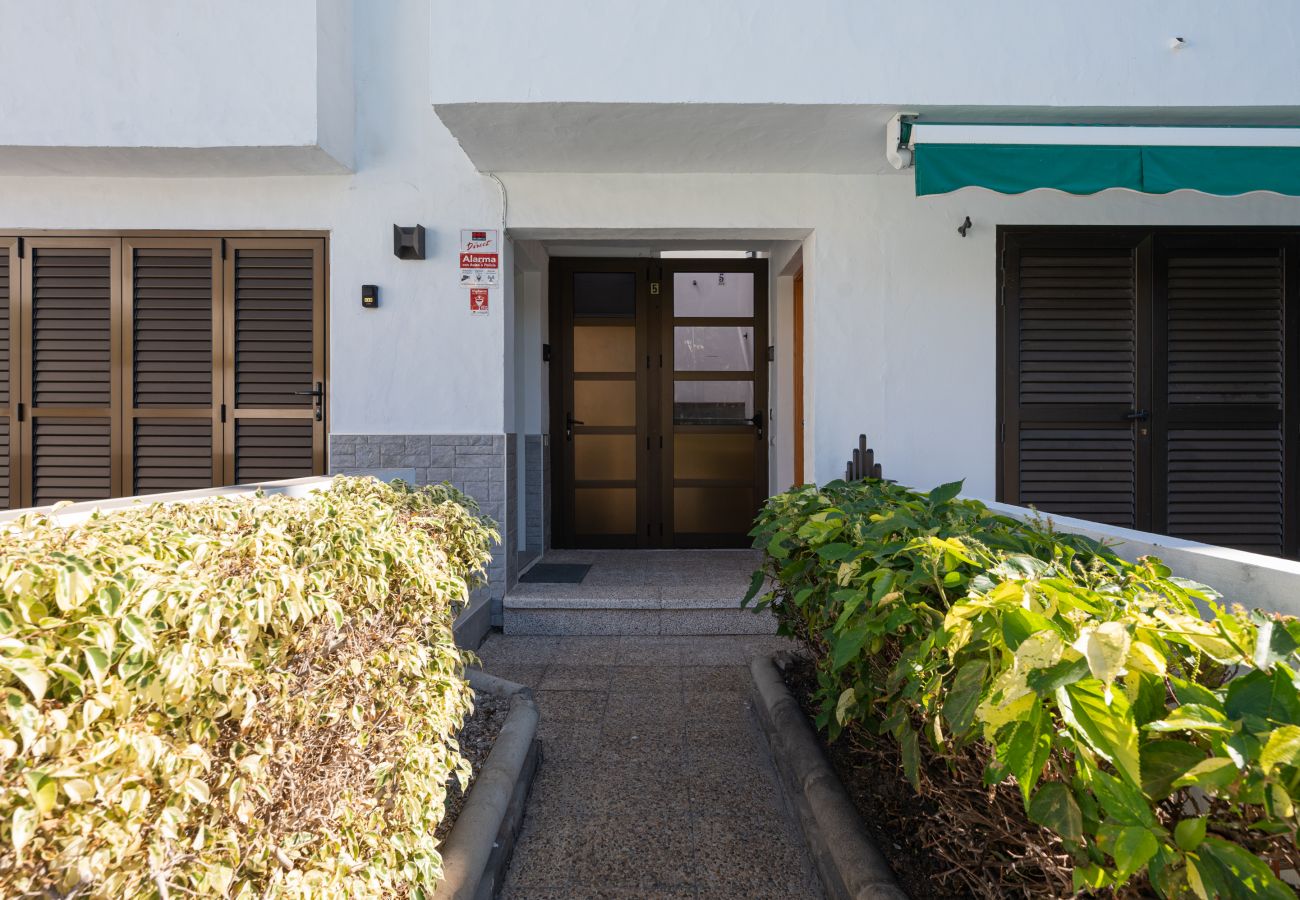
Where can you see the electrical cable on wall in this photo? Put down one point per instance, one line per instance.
(505, 199)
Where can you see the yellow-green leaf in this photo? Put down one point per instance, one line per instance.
(1282, 748)
(1106, 648)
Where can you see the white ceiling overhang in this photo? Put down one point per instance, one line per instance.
(750, 137)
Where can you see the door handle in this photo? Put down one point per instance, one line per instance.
(1137, 415)
(757, 422)
(569, 422)
(317, 392)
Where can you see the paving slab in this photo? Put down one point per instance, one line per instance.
(655, 781)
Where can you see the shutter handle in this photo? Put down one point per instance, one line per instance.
(1137, 415)
(318, 393)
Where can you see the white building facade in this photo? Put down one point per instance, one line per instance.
(236, 170)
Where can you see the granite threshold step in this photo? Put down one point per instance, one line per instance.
(670, 592)
(529, 613)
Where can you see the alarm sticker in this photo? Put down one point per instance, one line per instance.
(478, 301)
(480, 258)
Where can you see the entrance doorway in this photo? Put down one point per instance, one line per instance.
(659, 393)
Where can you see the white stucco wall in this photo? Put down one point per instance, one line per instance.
(944, 52)
(420, 363)
(155, 75)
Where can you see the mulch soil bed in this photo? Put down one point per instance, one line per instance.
(476, 739)
(937, 853)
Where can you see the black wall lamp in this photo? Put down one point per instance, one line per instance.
(408, 241)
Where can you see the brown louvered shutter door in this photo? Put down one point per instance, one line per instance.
(172, 344)
(1071, 335)
(1220, 456)
(275, 359)
(70, 341)
(10, 467)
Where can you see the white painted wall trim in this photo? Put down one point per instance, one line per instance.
(1251, 579)
(75, 513)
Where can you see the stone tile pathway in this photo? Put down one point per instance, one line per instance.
(655, 780)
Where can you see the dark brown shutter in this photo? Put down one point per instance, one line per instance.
(173, 342)
(1070, 375)
(275, 334)
(71, 288)
(272, 449)
(1220, 361)
(9, 425)
(171, 454)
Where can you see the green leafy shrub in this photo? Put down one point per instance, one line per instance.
(244, 696)
(1154, 731)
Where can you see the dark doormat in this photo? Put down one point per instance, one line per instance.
(555, 573)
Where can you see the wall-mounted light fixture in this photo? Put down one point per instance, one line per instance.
(370, 296)
(964, 227)
(408, 241)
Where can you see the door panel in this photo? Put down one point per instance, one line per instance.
(1070, 379)
(1219, 305)
(603, 394)
(274, 347)
(71, 339)
(173, 345)
(10, 367)
(714, 388)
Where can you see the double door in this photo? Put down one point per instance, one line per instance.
(1149, 380)
(137, 364)
(658, 401)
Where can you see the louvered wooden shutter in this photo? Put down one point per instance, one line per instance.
(173, 343)
(9, 366)
(72, 287)
(275, 331)
(1070, 375)
(1220, 456)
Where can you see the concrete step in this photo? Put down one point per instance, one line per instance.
(680, 592)
(528, 613)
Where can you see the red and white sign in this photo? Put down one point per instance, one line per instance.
(478, 301)
(480, 258)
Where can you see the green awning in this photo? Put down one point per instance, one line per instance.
(1150, 160)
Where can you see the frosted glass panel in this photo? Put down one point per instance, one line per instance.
(709, 510)
(598, 349)
(605, 294)
(713, 293)
(604, 457)
(604, 510)
(605, 402)
(700, 456)
(709, 348)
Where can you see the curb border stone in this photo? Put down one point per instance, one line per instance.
(477, 852)
(848, 862)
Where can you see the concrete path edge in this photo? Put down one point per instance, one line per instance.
(477, 852)
(850, 865)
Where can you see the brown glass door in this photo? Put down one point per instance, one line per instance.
(658, 386)
(600, 419)
(712, 414)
